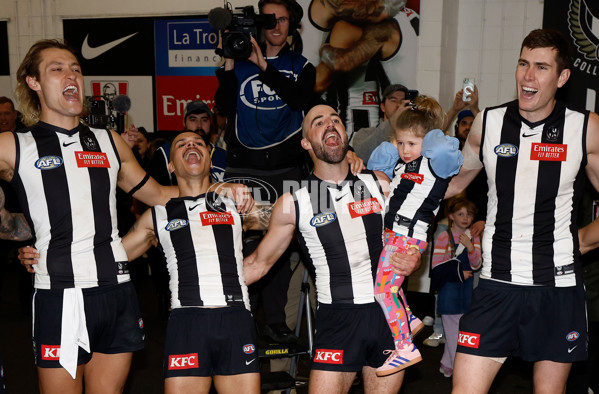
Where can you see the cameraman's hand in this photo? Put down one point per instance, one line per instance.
(256, 56)
(229, 62)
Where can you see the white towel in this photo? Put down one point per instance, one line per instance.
(74, 330)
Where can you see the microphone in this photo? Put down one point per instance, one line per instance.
(121, 104)
(219, 18)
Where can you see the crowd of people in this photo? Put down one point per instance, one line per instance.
(362, 212)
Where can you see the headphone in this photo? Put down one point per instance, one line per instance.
(295, 13)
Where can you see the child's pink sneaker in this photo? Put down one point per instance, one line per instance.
(399, 359)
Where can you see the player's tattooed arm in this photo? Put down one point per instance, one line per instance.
(13, 226)
(258, 218)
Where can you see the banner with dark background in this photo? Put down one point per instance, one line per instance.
(578, 20)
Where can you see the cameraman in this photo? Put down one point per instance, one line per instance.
(264, 98)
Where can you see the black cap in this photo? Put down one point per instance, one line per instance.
(196, 107)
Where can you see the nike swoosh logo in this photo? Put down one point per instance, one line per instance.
(65, 144)
(90, 53)
(337, 199)
(249, 362)
(531, 134)
(570, 350)
(194, 207)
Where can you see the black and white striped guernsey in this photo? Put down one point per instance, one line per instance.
(340, 228)
(66, 183)
(535, 174)
(201, 240)
(414, 198)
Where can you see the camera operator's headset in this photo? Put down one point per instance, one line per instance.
(295, 13)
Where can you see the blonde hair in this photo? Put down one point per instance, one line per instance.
(425, 115)
(27, 98)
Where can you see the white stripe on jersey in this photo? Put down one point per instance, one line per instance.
(207, 266)
(352, 239)
(84, 265)
(525, 211)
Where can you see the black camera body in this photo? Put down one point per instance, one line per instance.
(236, 41)
(99, 113)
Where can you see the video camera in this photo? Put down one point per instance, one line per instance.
(100, 114)
(236, 42)
(107, 112)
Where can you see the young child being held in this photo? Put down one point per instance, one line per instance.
(456, 255)
(427, 160)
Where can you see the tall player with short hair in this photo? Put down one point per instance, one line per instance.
(530, 301)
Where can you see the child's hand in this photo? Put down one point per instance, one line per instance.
(465, 240)
(468, 274)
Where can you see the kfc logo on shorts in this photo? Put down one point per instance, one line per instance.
(328, 356)
(249, 348)
(183, 361)
(50, 352)
(468, 339)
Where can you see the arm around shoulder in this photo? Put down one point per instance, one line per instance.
(134, 180)
(141, 236)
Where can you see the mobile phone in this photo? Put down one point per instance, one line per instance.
(467, 89)
(411, 95)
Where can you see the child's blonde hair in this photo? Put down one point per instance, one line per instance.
(425, 115)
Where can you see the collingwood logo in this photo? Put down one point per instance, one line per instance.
(552, 134)
(583, 15)
(89, 142)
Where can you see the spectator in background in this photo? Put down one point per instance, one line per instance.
(10, 121)
(463, 125)
(9, 116)
(459, 106)
(456, 255)
(199, 118)
(367, 139)
(144, 147)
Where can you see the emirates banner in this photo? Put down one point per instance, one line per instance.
(578, 20)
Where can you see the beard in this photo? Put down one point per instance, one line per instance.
(331, 156)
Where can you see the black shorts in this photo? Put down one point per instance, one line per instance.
(531, 322)
(210, 341)
(349, 337)
(2, 388)
(113, 321)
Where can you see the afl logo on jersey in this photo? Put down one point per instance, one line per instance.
(176, 224)
(506, 150)
(572, 336)
(48, 162)
(322, 219)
